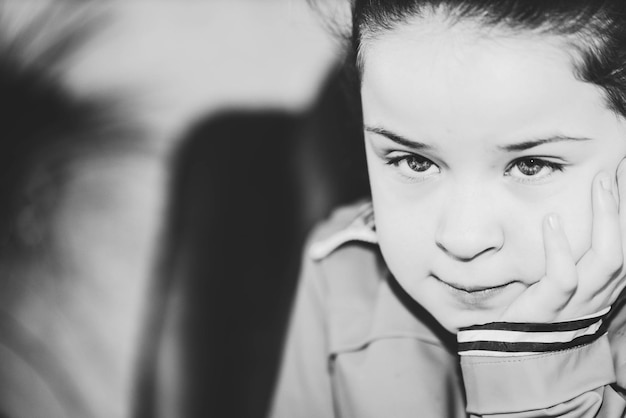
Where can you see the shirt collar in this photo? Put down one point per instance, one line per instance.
(367, 304)
(362, 228)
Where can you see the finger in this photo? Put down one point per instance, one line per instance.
(606, 238)
(543, 301)
(561, 274)
(619, 289)
(620, 179)
(604, 258)
(598, 268)
(621, 199)
(621, 192)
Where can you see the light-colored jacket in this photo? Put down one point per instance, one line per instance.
(358, 346)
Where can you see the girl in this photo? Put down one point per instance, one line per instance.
(483, 279)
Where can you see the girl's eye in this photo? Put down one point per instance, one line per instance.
(418, 164)
(532, 169)
(413, 165)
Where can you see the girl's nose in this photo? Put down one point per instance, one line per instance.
(468, 227)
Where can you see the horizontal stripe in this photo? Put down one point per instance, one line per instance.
(534, 327)
(572, 325)
(514, 336)
(485, 353)
(530, 347)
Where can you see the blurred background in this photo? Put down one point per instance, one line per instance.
(162, 163)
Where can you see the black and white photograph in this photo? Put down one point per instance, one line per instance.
(313, 209)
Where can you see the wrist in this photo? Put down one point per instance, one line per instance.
(512, 367)
(517, 338)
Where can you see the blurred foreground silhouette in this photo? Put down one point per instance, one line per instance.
(59, 355)
(151, 228)
(247, 187)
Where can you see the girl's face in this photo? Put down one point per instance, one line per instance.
(471, 141)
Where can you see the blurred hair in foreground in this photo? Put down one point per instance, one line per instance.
(89, 327)
(53, 335)
(247, 187)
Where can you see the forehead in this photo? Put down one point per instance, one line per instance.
(437, 76)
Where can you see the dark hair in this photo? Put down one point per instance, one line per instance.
(595, 29)
(47, 127)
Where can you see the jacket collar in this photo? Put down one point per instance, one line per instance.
(365, 302)
(361, 228)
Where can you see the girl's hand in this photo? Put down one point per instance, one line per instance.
(571, 290)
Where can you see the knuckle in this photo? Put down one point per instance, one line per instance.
(569, 286)
(615, 262)
(568, 283)
(611, 262)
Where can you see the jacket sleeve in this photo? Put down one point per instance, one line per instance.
(540, 370)
(304, 384)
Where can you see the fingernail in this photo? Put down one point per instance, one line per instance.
(553, 220)
(605, 182)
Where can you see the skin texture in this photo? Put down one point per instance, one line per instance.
(473, 231)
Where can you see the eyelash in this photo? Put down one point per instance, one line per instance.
(410, 174)
(542, 162)
(525, 179)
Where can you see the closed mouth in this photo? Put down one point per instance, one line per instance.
(473, 290)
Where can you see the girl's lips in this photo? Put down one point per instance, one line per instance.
(473, 295)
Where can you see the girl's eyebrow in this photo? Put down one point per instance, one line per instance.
(398, 139)
(522, 146)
